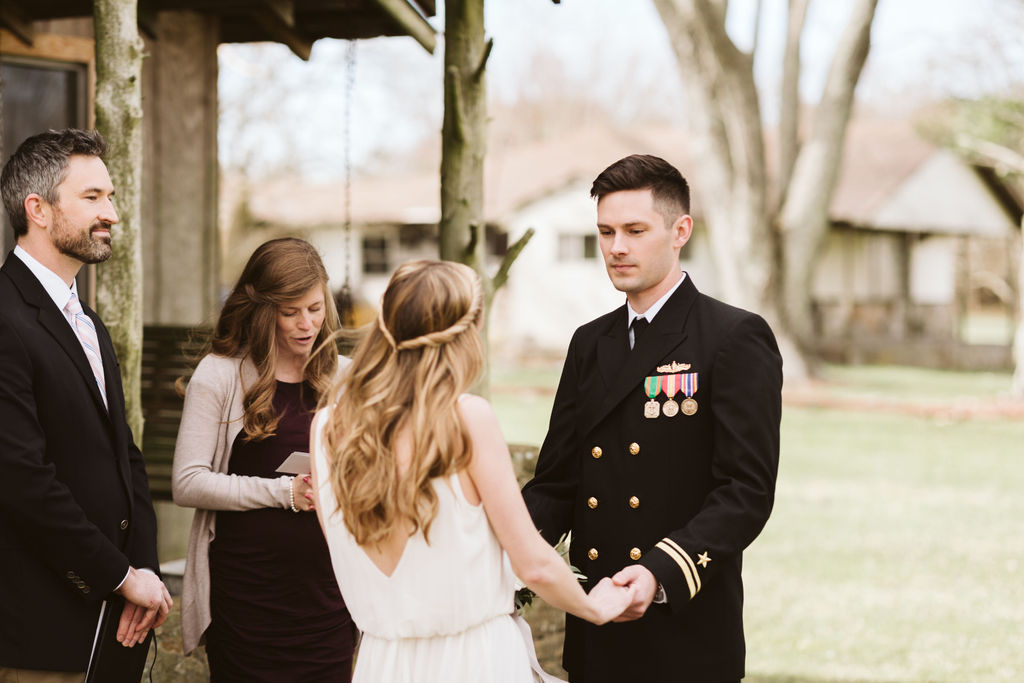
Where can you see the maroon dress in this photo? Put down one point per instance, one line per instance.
(277, 613)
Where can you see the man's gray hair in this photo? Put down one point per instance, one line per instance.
(39, 165)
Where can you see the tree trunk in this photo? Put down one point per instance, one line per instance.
(464, 144)
(119, 53)
(462, 230)
(464, 131)
(803, 218)
(754, 255)
(1018, 337)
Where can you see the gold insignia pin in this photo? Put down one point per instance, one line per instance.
(675, 366)
(703, 560)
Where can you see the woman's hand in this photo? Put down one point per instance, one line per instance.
(608, 601)
(302, 493)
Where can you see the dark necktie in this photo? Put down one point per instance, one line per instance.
(638, 326)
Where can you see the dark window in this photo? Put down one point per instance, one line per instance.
(375, 255)
(573, 247)
(38, 95)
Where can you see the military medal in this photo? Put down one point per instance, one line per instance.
(689, 406)
(652, 385)
(671, 383)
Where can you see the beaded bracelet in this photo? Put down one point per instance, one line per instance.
(291, 494)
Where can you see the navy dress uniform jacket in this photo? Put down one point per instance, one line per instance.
(76, 508)
(682, 495)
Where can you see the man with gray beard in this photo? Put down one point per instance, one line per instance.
(76, 520)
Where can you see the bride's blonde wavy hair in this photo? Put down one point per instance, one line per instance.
(405, 380)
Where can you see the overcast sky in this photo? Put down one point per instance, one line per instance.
(608, 49)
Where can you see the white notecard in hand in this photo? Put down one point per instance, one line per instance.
(296, 463)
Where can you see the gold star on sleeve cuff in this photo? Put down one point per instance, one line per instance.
(703, 559)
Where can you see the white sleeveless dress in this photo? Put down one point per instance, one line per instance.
(444, 615)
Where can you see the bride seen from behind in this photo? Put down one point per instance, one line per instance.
(418, 500)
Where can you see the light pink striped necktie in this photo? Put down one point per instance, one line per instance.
(90, 344)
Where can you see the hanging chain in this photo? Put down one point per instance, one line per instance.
(350, 82)
(347, 299)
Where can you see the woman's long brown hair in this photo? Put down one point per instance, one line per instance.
(278, 272)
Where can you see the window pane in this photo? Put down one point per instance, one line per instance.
(375, 255)
(37, 96)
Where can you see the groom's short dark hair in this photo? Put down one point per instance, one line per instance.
(669, 189)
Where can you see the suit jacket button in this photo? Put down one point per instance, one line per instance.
(634, 503)
(635, 554)
(70, 575)
(592, 553)
(634, 448)
(592, 502)
(86, 589)
(596, 452)
(124, 524)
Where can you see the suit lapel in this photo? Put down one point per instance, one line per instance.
(624, 369)
(54, 322)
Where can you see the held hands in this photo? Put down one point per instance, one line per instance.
(302, 493)
(147, 604)
(608, 601)
(642, 585)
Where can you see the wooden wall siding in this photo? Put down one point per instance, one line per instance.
(180, 246)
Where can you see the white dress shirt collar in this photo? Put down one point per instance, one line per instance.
(51, 282)
(655, 307)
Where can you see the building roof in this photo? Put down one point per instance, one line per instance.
(890, 179)
(296, 23)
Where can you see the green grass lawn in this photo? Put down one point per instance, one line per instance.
(896, 549)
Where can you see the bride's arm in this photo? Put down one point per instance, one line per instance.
(314, 448)
(534, 561)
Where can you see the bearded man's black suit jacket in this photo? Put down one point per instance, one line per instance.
(75, 509)
(681, 494)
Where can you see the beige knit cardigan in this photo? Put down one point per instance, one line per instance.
(210, 421)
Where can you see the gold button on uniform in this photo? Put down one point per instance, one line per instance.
(634, 448)
(124, 524)
(592, 553)
(634, 502)
(635, 554)
(596, 452)
(592, 502)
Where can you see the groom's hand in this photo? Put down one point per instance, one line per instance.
(643, 585)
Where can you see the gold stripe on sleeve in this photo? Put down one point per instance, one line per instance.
(689, 561)
(670, 551)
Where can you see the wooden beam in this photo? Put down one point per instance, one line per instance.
(411, 21)
(17, 23)
(277, 17)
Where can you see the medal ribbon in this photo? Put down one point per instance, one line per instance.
(671, 384)
(690, 384)
(652, 385)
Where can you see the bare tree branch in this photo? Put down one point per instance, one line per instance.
(501, 277)
(996, 155)
(803, 217)
(789, 100)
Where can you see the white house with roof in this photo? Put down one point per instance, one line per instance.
(917, 235)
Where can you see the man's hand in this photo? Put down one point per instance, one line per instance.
(643, 585)
(148, 603)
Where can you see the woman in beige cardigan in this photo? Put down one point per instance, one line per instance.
(259, 587)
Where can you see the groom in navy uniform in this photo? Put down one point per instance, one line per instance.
(663, 447)
(76, 519)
